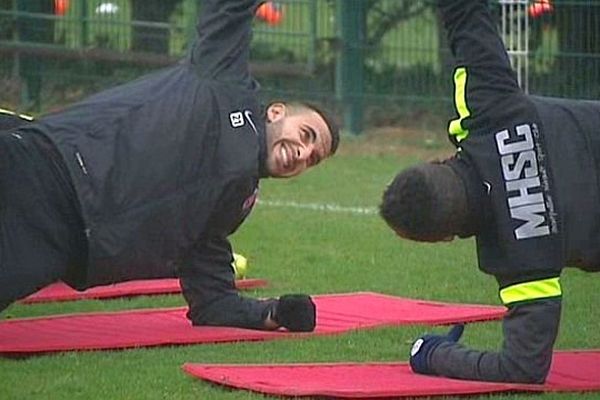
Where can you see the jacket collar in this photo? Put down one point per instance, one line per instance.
(262, 148)
(476, 194)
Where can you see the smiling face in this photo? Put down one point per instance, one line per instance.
(297, 139)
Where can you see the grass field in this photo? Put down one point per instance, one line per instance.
(317, 252)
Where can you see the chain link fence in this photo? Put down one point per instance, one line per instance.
(386, 58)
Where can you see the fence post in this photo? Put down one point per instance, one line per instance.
(515, 34)
(351, 17)
(84, 28)
(32, 29)
(312, 46)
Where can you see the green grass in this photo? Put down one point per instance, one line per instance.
(308, 251)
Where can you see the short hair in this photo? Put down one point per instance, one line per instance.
(330, 121)
(406, 204)
(426, 203)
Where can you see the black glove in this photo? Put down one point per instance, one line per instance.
(423, 346)
(295, 312)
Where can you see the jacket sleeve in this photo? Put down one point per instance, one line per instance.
(477, 46)
(530, 330)
(208, 284)
(222, 47)
(483, 78)
(10, 120)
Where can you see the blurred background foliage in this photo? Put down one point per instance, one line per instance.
(379, 62)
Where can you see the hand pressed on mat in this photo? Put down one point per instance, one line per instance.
(423, 346)
(295, 312)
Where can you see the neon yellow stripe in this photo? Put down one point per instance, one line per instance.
(460, 101)
(24, 116)
(533, 290)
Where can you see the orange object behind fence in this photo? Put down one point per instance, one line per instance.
(270, 12)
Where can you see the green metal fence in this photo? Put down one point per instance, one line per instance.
(377, 59)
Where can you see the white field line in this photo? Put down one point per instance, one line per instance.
(319, 207)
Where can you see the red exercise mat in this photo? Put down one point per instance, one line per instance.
(168, 326)
(571, 372)
(61, 292)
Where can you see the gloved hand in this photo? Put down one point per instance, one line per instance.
(423, 346)
(295, 312)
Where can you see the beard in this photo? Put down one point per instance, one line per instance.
(273, 133)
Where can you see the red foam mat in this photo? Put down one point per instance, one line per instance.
(62, 292)
(155, 327)
(571, 372)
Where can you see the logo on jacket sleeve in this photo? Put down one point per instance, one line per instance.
(238, 119)
(248, 205)
(250, 201)
(526, 181)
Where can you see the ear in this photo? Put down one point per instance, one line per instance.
(275, 112)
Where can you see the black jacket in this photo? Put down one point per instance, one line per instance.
(11, 120)
(167, 166)
(532, 164)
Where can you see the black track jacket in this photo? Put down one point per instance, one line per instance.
(11, 120)
(532, 164)
(167, 166)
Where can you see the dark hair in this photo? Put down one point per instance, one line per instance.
(334, 127)
(426, 202)
(330, 121)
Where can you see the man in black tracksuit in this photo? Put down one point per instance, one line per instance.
(524, 181)
(148, 179)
